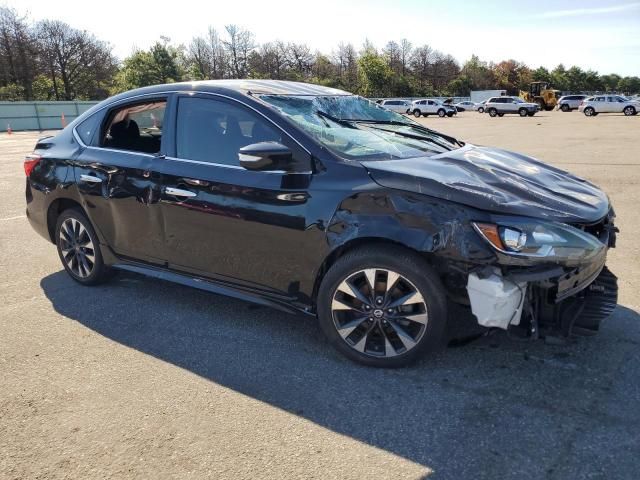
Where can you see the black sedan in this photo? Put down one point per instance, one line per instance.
(314, 200)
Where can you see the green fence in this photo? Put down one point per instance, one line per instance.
(39, 115)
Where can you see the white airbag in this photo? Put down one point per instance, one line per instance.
(495, 301)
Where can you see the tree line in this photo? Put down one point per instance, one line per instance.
(51, 60)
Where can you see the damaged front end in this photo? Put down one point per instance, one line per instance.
(550, 279)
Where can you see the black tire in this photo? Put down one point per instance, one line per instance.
(481, 110)
(493, 112)
(531, 114)
(589, 112)
(379, 330)
(565, 108)
(80, 252)
(441, 112)
(629, 111)
(417, 113)
(523, 112)
(501, 114)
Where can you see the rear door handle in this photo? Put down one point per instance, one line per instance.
(177, 192)
(90, 179)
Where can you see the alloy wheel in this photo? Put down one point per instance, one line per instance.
(379, 312)
(77, 248)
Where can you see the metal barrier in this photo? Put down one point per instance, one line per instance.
(39, 115)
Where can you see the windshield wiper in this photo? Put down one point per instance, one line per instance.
(340, 121)
(415, 137)
(417, 126)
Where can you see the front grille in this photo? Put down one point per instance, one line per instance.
(604, 229)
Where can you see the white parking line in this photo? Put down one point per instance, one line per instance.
(12, 218)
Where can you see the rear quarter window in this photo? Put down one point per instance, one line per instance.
(87, 128)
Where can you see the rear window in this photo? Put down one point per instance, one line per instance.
(135, 127)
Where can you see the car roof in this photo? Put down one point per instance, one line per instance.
(242, 86)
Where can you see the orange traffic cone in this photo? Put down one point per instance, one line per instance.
(9, 131)
(63, 121)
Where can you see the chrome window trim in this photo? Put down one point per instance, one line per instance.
(224, 165)
(186, 92)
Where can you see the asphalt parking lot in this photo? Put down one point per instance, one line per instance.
(144, 379)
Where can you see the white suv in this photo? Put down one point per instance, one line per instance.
(609, 104)
(398, 106)
(501, 105)
(428, 107)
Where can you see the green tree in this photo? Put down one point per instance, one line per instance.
(374, 74)
(159, 64)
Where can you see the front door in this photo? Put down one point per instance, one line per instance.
(226, 222)
(116, 182)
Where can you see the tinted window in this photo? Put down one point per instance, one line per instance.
(135, 127)
(87, 128)
(213, 131)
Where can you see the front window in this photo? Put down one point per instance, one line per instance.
(355, 128)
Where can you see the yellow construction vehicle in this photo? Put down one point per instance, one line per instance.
(540, 93)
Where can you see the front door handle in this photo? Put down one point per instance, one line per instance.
(90, 179)
(177, 192)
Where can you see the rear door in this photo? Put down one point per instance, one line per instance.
(221, 220)
(115, 178)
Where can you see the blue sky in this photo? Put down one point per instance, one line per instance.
(602, 35)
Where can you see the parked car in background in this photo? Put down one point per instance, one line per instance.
(570, 102)
(398, 106)
(467, 105)
(217, 185)
(592, 106)
(499, 106)
(427, 107)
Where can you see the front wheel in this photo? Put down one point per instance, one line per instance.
(441, 113)
(417, 113)
(382, 306)
(523, 112)
(628, 111)
(589, 111)
(493, 112)
(450, 114)
(481, 110)
(79, 248)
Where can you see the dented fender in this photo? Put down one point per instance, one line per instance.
(424, 224)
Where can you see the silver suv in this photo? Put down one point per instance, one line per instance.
(592, 106)
(570, 102)
(428, 107)
(498, 106)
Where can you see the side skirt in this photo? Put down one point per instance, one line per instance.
(286, 304)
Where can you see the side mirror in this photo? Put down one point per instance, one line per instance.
(265, 156)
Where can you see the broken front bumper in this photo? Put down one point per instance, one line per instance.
(547, 299)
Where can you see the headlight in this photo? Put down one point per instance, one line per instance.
(532, 238)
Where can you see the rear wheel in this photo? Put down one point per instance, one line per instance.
(79, 248)
(628, 111)
(564, 107)
(589, 111)
(441, 112)
(523, 112)
(417, 113)
(382, 306)
(493, 112)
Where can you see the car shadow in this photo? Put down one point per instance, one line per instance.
(495, 408)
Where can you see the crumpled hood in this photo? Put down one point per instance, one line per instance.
(497, 181)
